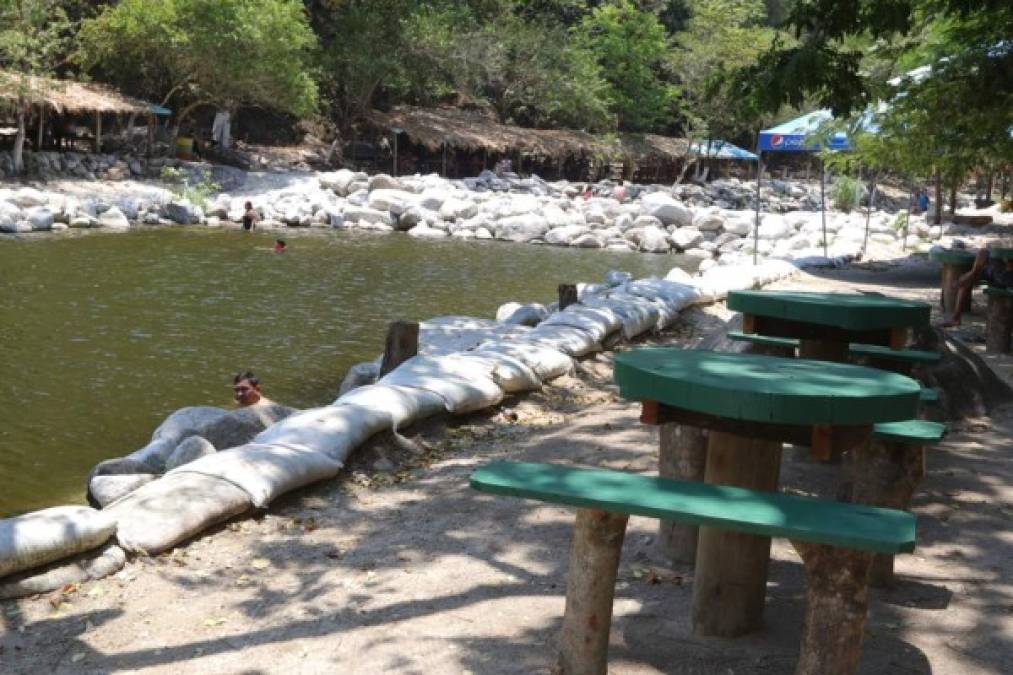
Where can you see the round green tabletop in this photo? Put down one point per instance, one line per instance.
(850, 311)
(952, 256)
(766, 389)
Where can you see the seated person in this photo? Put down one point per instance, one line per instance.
(992, 270)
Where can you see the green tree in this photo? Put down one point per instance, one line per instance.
(631, 45)
(720, 37)
(225, 53)
(33, 39)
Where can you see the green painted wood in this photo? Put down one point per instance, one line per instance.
(952, 256)
(914, 432)
(999, 292)
(1001, 253)
(765, 389)
(849, 311)
(928, 395)
(789, 343)
(770, 514)
(908, 355)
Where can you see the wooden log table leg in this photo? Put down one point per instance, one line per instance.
(951, 274)
(1000, 322)
(730, 582)
(837, 601)
(590, 590)
(683, 456)
(823, 350)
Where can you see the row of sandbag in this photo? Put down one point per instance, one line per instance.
(313, 445)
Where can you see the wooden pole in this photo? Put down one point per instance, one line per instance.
(394, 169)
(837, 601)
(444, 159)
(756, 228)
(590, 590)
(567, 296)
(730, 587)
(42, 126)
(98, 132)
(939, 198)
(950, 276)
(683, 456)
(823, 204)
(402, 344)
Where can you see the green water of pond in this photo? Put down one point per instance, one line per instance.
(103, 335)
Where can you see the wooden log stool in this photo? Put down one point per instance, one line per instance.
(955, 263)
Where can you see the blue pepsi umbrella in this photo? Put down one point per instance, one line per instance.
(796, 135)
(721, 150)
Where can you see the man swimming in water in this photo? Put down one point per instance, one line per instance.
(246, 390)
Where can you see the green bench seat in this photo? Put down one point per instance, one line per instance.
(928, 395)
(875, 351)
(913, 432)
(837, 542)
(770, 514)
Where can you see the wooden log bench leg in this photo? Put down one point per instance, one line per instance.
(730, 582)
(1000, 322)
(885, 474)
(683, 456)
(837, 601)
(590, 590)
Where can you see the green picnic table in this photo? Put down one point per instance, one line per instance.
(751, 405)
(827, 323)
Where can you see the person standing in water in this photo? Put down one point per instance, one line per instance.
(250, 216)
(246, 390)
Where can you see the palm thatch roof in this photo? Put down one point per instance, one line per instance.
(474, 131)
(67, 95)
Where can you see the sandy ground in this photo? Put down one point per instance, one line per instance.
(413, 572)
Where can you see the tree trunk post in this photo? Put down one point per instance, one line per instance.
(590, 590)
(98, 132)
(837, 601)
(948, 280)
(902, 469)
(823, 204)
(402, 344)
(1000, 321)
(19, 139)
(567, 296)
(823, 350)
(683, 456)
(939, 198)
(730, 586)
(42, 126)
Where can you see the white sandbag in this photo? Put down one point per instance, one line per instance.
(462, 389)
(449, 334)
(585, 290)
(333, 430)
(41, 537)
(676, 295)
(265, 472)
(616, 278)
(597, 321)
(511, 374)
(530, 314)
(86, 566)
(107, 489)
(569, 340)
(546, 363)
(720, 280)
(174, 508)
(404, 405)
(638, 315)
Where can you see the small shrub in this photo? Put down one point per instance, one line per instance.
(847, 193)
(180, 185)
(899, 222)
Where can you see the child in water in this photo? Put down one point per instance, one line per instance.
(279, 245)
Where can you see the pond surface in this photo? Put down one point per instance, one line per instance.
(103, 335)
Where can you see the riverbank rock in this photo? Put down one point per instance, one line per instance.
(189, 450)
(113, 219)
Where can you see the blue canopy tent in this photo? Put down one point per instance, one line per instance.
(721, 150)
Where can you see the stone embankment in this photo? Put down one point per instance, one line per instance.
(706, 225)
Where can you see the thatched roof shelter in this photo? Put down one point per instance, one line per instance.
(473, 131)
(67, 96)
